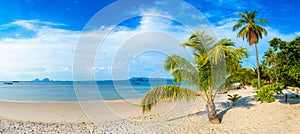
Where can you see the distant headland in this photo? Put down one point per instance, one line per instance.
(43, 80)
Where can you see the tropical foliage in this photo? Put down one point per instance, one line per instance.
(204, 78)
(266, 93)
(252, 31)
(233, 58)
(254, 83)
(282, 61)
(241, 75)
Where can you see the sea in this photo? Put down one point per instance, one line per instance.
(70, 91)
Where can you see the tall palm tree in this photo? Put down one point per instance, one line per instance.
(252, 31)
(198, 79)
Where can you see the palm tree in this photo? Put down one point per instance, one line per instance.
(233, 56)
(202, 78)
(252, 31)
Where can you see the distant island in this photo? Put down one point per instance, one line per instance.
(43, 80)
(132, 79)
(140, 80)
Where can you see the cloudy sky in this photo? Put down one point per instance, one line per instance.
(104, 39)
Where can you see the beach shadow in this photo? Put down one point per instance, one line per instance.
(291, 98)
(222, 113)
(243, 102)
(193, 114)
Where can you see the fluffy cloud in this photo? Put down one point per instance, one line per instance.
(50, 52)
(44, 49)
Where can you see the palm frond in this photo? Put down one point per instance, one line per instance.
(243, 32)
(243, 16)
(175, 62)
(216, 54)
(241, 52)
(168, 93)
(262, 21)
(186, 78)
(239, 24)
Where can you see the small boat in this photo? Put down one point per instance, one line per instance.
(15, 81)
(8, 83)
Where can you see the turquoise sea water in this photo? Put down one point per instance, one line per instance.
(25, 91)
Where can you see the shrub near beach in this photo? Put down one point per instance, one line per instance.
(266, 93)
(254, 83)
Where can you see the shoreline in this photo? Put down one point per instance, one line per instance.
(249, 115)
(66, 102)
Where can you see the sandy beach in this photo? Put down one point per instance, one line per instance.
(120, 116)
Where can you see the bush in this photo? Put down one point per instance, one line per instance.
(255, 81)
(266, 93)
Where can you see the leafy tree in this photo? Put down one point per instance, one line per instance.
(254, 83)
(203, 78)
(270, 66)
(252, 31)
(285, 61)
(242, 75)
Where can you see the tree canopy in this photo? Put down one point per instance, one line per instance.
(283, 60)
(204, 78)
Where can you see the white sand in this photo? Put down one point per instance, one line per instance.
(248, 116)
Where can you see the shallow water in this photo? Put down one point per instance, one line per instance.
(64, 91)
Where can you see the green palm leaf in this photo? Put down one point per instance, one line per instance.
(175, 61)
(186, 78)
(168, 93)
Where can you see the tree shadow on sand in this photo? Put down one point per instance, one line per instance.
(193, 114)
(291, 98)
(243, 102)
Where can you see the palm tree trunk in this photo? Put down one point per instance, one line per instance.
(258, 68)
(211, 112)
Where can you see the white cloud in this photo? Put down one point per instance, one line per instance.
(50, 52)
(132, 52)
(51, 48)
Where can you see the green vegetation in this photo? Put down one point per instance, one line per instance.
(201, 78)
(254, 83)
(233, 58)
(252, 31)
(204, 78)
(241, 75)
(282, 62)
(266, 93)
(234, 98)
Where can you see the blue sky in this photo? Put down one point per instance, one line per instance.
(38, 38)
